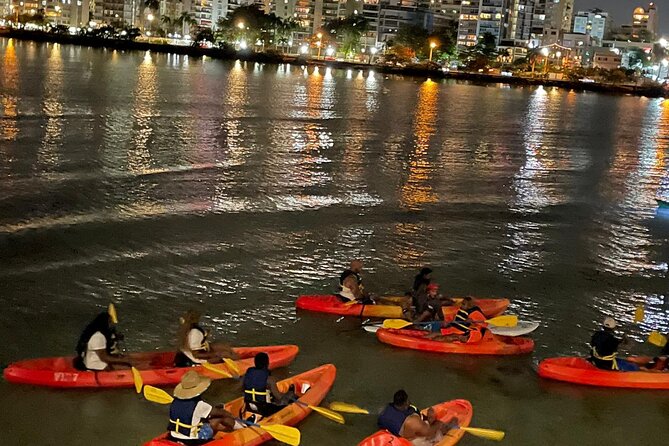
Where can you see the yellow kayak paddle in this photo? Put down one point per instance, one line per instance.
(657, 338)
(111, 311)
(639, 314)
(488, 434)
(347, 408)
(284, 434)
(212, 368)
(137, 378)
(327, 413)
(509, 320)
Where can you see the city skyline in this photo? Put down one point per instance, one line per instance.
(621, 10)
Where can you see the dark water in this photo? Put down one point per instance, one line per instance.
(166, 182)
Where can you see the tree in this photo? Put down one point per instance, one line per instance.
(480, 55)
(185, 20)
(168, 22)
(203, 35)
(348, 32)
(414, 37)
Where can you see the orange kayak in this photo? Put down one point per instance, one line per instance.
(581, 371)
(59, 372)
(331, 304)
(461, 409)
(490, 307)
(490, 345)
(320, 379)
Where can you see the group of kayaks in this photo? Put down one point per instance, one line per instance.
(60, 372)
(505, 341)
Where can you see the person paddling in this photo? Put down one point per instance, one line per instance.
(261, 394)
(350, 289)
(429, 303)
(192, 420)
(403, 420)
(660, 362)
(604, 349)
(194, 346)
(97, 348)
(469, 312)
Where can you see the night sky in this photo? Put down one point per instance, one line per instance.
(621, 10)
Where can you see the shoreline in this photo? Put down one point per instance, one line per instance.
(415, 71)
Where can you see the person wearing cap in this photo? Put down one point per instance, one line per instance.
(192, 420)
(194, 347)
(604, 349)
(429, 302)
(261, 394)
(97, 345)
(403, 420)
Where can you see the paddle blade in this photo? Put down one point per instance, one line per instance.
(396, 323)
(488, 434)
(284, 434)
(137, 378)
(639, 314)
(657, 338)
(347, 408)
(351, 302)
(156, 395)
(213, 368)
(329, 414)
(232, 366)
(508, 320)
(111, 310)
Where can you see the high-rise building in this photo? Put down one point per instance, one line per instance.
(594, 23)
(645, 23)
(558, 19)
(117, 12)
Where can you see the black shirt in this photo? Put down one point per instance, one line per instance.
(605, 343)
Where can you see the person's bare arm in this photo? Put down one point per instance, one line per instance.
(112, 359)
(414, 427)
(276, 393)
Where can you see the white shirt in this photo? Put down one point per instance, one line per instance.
(202, 410)
(346, 293)
(195, 343)
(91, 359)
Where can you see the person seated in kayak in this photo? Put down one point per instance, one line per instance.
(464, 332)
(355, 268)
(422, 279)
(604, 349)
(261, 394)
(194, 347)
(469, 311)
(97, 348)
(429, 303)
(403, 420)
(350, 289)
(192, 420)
(661, 362)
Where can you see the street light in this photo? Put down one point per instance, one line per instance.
(240, 25)
(319, 43)
(544, 52)
(433, 45)
(372, 52)
(150, 17)
(304, 49)
(663, 42)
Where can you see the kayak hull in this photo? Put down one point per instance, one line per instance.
(490, 345)
(490, 307)
(332, 305)
(461, 409)
(320, 379)
(580, 371)
(59, 371)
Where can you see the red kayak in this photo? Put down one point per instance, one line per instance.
(331, 304)
(490, 345)
(461, 409)
(320, 381)
(59, 372)
(490, 307)
(581, 371)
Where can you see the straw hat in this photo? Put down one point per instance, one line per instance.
(192, 384)
(609, 322)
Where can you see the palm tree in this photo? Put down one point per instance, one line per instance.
(185, 19)
(168, 22)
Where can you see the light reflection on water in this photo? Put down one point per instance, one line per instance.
(165, 182)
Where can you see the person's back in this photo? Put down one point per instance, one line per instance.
(604, 347)
(394, 414)
(255, 385)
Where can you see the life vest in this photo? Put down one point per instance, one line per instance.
(181, 415)
(473, 314)
(611, 357)
(255, 386)
(393, 418)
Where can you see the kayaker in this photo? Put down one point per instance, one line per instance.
(469, 311)
(261, 394)
(350, 289)
(429, 303)
(403, 420)
(423, 278)
(604, 349)
(356, 268)
(97, 348)
(194, 347)
(192, 420)
(660, 362)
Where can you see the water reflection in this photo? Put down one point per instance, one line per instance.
(417, 191)
(52, 108)
(8, 95)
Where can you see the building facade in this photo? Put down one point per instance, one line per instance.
(594, 23)
(645, 23)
